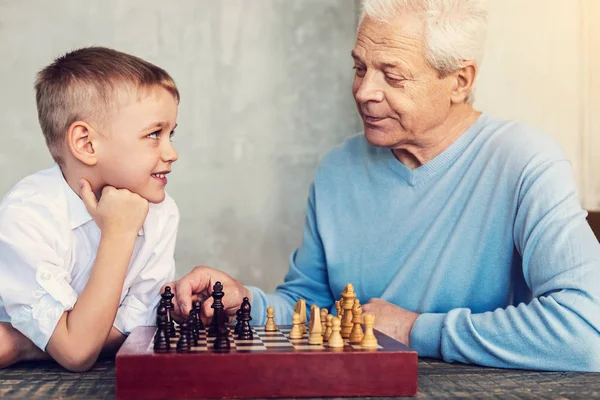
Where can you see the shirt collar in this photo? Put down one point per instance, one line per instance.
(78, 213)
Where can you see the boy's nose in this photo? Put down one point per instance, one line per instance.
(169, 154)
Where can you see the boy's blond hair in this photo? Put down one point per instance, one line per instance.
(85, 84)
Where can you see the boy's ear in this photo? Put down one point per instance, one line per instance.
(81, 142)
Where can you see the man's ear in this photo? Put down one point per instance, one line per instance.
(463, 82)
(81, 141)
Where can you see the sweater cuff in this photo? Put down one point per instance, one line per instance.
(426, 335)
(257, 304)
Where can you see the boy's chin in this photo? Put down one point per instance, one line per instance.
(154, 198)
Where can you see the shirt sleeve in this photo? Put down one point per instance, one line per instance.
(34, 284)
(307, 276)
(138, 307)
(559, 328)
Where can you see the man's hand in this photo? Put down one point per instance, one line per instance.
(15, 347)
(198, 285)
(118, 211)
(390, 319)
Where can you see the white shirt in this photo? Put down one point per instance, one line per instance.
(48, 245)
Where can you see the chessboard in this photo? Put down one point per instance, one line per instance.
(270, 365)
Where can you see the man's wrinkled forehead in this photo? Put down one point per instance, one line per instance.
(388, 42)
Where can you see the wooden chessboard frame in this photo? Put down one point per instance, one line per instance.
(275, 371)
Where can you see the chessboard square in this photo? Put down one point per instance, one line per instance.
(248, 344)
(309, 347)
(277, 339)
(279, 344)
(359, 347)
(250, 349)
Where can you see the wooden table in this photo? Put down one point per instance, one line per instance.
(436, 380)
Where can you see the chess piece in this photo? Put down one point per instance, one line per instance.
(198, 320)
(183, 344)
(348, 295)
(222, 338)
(167, 298)
(193, 334)
(245, 332)
(217, 318)
(369, 341)
(324, 314)
(270, 325)
(356, 334)
(238, 318)
(335, 340)
(161, 338)
(300, 308)
(296, 332)
(328, 325)
(315, 336)
(338, 309)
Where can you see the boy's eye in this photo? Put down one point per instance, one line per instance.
(154, 135)
(171, 135)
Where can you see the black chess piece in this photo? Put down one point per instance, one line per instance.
(161, 338)
(192, 330)
(238, 317)
(196, 308)
(167, 297)
(183, 344)
(222, 342)
(218, 316)
(245, 332)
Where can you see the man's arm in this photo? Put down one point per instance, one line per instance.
(307, 278)
(559, 329)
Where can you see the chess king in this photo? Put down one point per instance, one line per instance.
(464, 230)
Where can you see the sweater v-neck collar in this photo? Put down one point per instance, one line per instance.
(439, 163)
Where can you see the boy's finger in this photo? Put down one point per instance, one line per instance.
(88, 196)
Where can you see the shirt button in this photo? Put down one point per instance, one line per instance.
(46, 276)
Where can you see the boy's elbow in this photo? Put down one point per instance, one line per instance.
(76, 359)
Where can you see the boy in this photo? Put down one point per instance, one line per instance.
(86, 245)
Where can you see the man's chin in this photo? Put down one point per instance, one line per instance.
(377, 137)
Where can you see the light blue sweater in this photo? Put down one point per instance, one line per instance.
(487, 240)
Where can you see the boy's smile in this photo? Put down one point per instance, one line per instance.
(136, 152)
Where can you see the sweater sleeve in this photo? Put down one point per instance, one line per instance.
(559, 328)
(307, 276)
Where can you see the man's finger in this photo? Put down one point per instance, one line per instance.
(88, 196)
(192, 285)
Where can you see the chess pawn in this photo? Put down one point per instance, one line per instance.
(335, 340)
(328, 326)
(369, 341)
(183, 344)
(315, 337)
(161, 339)
(198, 321)
(324, 314)
(338, 309)
(270, 326)
(296, 332)
(356, 334)
(238, 318)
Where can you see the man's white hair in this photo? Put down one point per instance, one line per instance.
(454, 30)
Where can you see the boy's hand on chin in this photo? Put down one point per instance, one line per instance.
(117, 212)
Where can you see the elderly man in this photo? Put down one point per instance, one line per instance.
(463, 232)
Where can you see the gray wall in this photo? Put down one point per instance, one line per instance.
(265, 90)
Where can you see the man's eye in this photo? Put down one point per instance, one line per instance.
(360, 71)
(393, 79)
